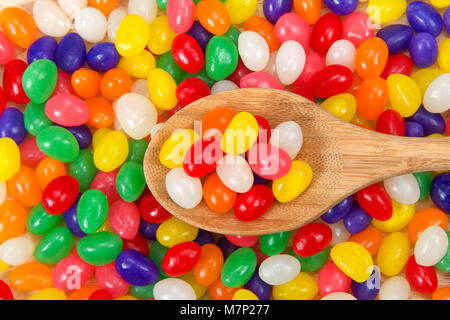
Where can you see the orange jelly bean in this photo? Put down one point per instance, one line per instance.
(24, 187)
(49, 169)
(31, 276)
(423, 219)
(265, 29)
(104, 6)
(308, 9)
(217, 195)
(371, 97)
(371, 239)
(18, 25)
(371, 58)
(83, 293)
(213, 16)
(101, 112)
(13, 219)
(86, 83)
(219, 291)
(208, 268)
(442, 293)
(115, 83)
(218, 118)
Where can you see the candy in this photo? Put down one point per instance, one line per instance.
(31, 276)
(353, 259)
(383, 11)
(238, 268)
(290, 186)
(182, 189)
(71, 273)
(253, 203)
(71, 53)
(391, 122)
(325, 32)
(114, 19)
(235, 172)
(50, 19)
(356, 220)
(240, 10)
(92, 210)
(60, 194)
(279, 269)
(130, 181)
(91, 24)
(99, 248)
(273, 10)
(39, 222)
(131, 46)
(12, 125)
(435, 97)
(146, 9)
(253, 50)
(19, 26)
(24, 188)
(311, 239)
(422, 279)
(174, 231)
(16, 251)
(110, 281)
(423, 49)
(12, 81)
(54, 246)
(136, 268)
(43, 48)
(393, 254)
(213, 16)
(173, 288)
(338, 212)
(439, 192)
(332, 280)
(424, 18)
(290, 61)
(302, 287)
(288, 137)
(395, 288)
(7, 49)
(433, 237)
(264, 28)
(332, 80)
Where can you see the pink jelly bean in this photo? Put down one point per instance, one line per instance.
(124, 218)
(243, 241)
(357, 28)
(30, 154)
(260, 79)
(291, 26)
(332, 279)
(63, 84)
(7, 50)
(313, 65)
(71, 273)
(106, 182)
(107, 278)
(67, 110)
(268, 161)
(181, 15)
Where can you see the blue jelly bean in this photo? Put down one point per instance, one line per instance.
(431, 122)
(82, 134)
(70, 217)
(148, 230)
(423, 17)
(136, 268)
(339, 211)
(259, 180)
(397, 37)
(274, 9)
(446, 19)
(226, 247)
(368, 290)
(71, 53)
(260, 288)
(204, 237)
(423, 49)
(42, 48)
(440, 191)
(12, 125)
(103, 57)
(414, 129)
(357, 220)
(341, 7)
(199, 33)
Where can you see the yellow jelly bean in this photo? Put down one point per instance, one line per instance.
(302, 287)
(161, 36)
(435, 135)
(444, 55)
(49, 294)
(440, 3)
(162, 88)
(385, 11)
(241, 10)
(126, 298)
(424, 77)
(98, 135)
(401, 216)
(9, 158)
(174, 231)
(342, 106)
(353, 259)
(198, 289)
(241, 133)
(244, 294)
(138, 66)
(292, 184)
(106, 226)
(176, 146)
(3, 266)
(111, 151)
(404, 94)
(132, 36)
(393, 254)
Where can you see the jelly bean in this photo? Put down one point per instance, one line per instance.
(43, 48)
(132, 46)
(111, 152)
(136, 268)
(31, 276)
(35, 119)
(279, 269)
(239, 72)
(3, 192)
(430, 122)
(91, 25)
(338, 212)
(403, 189)
(137, 150)
(12, 125)
(357, 220)
(54, 246)
(268, 161)
(50, 19)
(291, 26)
(71, 53)
(39, 222)
(260, 79)
(180, 15)
(213, 16)
(83, 169)
(369, 289)
(371, 97)
(207, 269)
(398, 63)
(92, 210)
(114, 19)
(397, 37)
(218, 197)
(273, 10)
(162, 87)
(446, 20)
(99, 248)
(442, 293)
(71, 273)
(422, 279)
(424, 181)
(424, 219)
(244, 294)
(67, 110)
(382, 11)
(19, 26)
(440, 192)
(264, 28)
(146, 9)
(353, 259)
(115, 83)
(395, 288)
(83, 293)
(356, 29)
(235, 172)
(325, 32)
(101, 113)
(16, 251)
(414, 129)
(49, 169)
(391, 122)
(444, 264)
(308, 9)
(101, 294)
(111, 283)
(63, 84)
(151, 211)
(253, 50)
(341, 52)
(370, 239)
(221, 57)
(161, 35)
(290, 186)
(260, 289)
(393, 254)
(433, 237)
(23, 187)
(290, 61)
(202, 157)
(175, 148)
(376, 202)
(174, 231)
(424, 77)
(443, 61)
(130, 181)
(238, 268)
(302, 287)
(264, 131)
(371, 58)
(187, 53)
(240, 11)
(191, 89)
(341, 105)
(183, 189)
(173, 288)
(181, 258)
(424, 18)
(12, 81)
(71, 7)
(288, 137)
(423, 49)
(82, 134)
(204, 237)
(217, 118)
(226, 246)
(253, 203)
(60, 194)
(7, 50)
(311, 239)
(138, 66)
(339, 296)
(148, 230)
(341, 7)
(103, 57)
(332, 279)
(200, 34)
(106, 182)
(401, 216)
(332, 80)
(71, 219)
(39, 80)
(3, 101)
(243, 241)
(104, 6)
(435, 99)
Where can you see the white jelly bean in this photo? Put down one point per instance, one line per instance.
(183, 189)
(223, 85)
(395, 288)
(235, 172)
(437, 95)
(3, 192)
(271, 67)
(339, 232)
(290, 61)
(140, 86)
(72, 7)
(50, 19)
(339, 296)
(91, 25)
(114, 19)
(253, 50)
(431, 246)
(147, 9)
(403, 189)
(279, 269)
(342, 52)
(288, 136)
(173, 289)
(155, 129)
(16, 251)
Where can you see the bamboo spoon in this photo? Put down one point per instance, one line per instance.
(345, 158)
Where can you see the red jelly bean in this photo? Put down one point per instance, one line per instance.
(108, 279)
(264, 131)
(30, 154)
(60, 194)
(101, 294)
(202, 158)
(124, 218)
(240, 71)
(137, 243)
(243, 241)
(5, 291)
(305, 92)
(327, 30)
(190, 90)
(268, 161)
(332, 279)
(3, 100)
(398, 63)
(12, 81)
(187, 53)
(391, 122)
(254, 203)
(181, 258)
(422, 279)
(376, 202)
(314, 63)
(64, 84)
(106, 182)
(332, 80)
(152, 211)
(311, 239)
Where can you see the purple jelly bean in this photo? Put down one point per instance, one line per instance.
(204, 237)
(226, 247)
(70, 217)
(339, 211)
(103, 57)
(260, 288)
(367, 290)
(148, 230)
(259, 180)
(423, 49)
(42, 48)
(136, 268)
(414, 129)
(12, 125)
(397, 37)
(356, 220)
(274, 9)
(199, 33)
(341, 7)
(440, 191)
(423, 17)
(82, 134)
(431, 122)
(71, 53)
(446, 19)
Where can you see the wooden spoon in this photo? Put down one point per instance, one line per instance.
(345, 158)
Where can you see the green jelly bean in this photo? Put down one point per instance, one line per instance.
(444, 264)
(274, 243)
(39, 222)
(167, 63)
(39, 80)
(233, 33)
(34, 118)
(314, 262)
(221, 57)
(137, 150)
(238, 268)
(58, 143)
(92, 210)
(99, 248)
(83, 169)
(54, 246)
(424, 180)
(157, 252)
(145, 292)
(130, 181)
(162, 4)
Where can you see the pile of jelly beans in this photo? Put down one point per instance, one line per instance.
(235, 182)
(86, 83)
